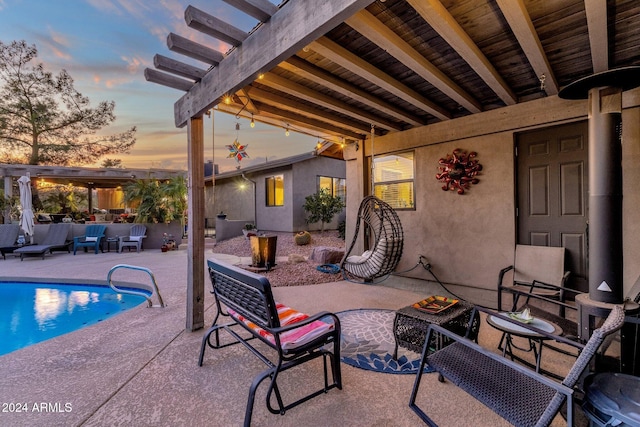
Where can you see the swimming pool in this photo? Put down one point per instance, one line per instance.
(34, 312)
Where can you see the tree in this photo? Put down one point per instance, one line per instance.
(112, 163)
(158, 201)
(322, 206)
(45, 120)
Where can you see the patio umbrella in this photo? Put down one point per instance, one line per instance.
(26, 218)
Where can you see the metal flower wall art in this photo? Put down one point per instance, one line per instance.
(458, 171)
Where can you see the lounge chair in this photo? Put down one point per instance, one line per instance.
(8, 236)
(56, 239)
(92, 238)
(516, 393)
(134, 239)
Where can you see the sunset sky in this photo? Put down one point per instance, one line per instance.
(105, 45)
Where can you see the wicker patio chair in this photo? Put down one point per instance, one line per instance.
(379, 223)
(516, 393)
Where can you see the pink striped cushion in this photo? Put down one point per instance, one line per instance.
(293, 338)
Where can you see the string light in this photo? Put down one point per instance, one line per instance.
(227, 99)
(252, 124)
(286, 132)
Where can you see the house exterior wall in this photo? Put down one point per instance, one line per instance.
(469, 238)
(235, 196)
(305, 176)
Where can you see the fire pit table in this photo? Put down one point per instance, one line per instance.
(410, 325)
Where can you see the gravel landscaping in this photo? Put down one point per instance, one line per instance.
(289, 273)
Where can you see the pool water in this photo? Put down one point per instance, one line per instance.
(35, 312)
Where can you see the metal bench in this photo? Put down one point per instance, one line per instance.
(295, 337)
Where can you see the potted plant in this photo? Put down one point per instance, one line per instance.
(249, 230)
(222, 215)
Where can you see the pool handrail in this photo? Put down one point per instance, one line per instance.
(133, 292)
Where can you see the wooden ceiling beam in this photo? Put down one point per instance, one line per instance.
(164, 79)
(317, 75)
(373, 29)
(439, 18)
(262, 10)
(179, 68)
(515, 12)
(341, 56)
(193, 50)
(280, 83)
(263, 50)
(598, 37)
(247, 101)
(277, 121)
(212, 26)
(298, 120)
(289, 104)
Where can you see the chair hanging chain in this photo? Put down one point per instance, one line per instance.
(373, 155)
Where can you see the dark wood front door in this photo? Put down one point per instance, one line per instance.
(552, 185)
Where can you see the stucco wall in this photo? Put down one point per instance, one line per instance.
(305, 176)
(469, 238)
(235, 195)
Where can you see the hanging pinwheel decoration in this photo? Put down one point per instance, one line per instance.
(237, 150)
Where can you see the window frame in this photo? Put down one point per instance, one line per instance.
(273, 188)
(411, 181)
(335, 183)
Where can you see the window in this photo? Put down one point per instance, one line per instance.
(275, 190)
(393, 180)
(337, 187)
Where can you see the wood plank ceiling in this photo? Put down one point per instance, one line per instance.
(399, 64)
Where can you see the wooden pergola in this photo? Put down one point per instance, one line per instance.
(343, 69)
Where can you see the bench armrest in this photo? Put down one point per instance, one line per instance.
(304, 322)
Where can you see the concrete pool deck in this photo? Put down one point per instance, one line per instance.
(140, 367)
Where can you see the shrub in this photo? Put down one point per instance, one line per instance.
(322, 206)
(302, 238)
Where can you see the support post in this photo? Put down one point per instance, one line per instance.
(195, 218)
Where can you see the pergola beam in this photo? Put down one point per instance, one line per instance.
(284, 85)
(194, 50)
(169, 65)
(598, 37)
(448, 28)
(515, 12)
(341, 56)
(212, 26)
(370, 27)
(262, 10)
(277, 100)
(264, 49)
(164, 79)
(317, 75)
(295, 120)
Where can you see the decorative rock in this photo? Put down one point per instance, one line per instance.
(326, 255)
(296, 259)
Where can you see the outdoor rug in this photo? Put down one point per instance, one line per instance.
(368, 343)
